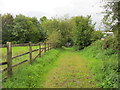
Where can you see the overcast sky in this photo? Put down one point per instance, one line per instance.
(52, 8)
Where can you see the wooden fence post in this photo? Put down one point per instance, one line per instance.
(45, 46)
(30, 50)
(48, 47)
(9, 59)
(52, 45)
(40, 49)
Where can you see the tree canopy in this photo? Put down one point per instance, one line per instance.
(77, 30)
(112, 15)
(21, 29)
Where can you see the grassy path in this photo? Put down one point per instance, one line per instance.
(70, 71)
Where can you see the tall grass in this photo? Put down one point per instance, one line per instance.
(32, 76)
(103, 63)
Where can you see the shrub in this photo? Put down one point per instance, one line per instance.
(96, 35)
(110, 42)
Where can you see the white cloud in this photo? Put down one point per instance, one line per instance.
(51, 8)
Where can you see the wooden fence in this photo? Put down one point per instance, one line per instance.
(47, 47)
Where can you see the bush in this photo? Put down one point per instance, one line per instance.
(54, 38)
(110, 42)
(14, 42)
(96, 35)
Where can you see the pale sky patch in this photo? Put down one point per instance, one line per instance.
(51, 8)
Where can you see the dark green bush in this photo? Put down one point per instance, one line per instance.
(96, 35)
(110, 42)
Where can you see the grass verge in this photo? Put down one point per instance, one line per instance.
(32, 76)
(103, 63)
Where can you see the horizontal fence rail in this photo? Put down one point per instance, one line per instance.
(8, 62)
(14, 65)
(13, 45)
(25, 53)
(3, 63)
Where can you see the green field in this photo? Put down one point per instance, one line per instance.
(17, 51)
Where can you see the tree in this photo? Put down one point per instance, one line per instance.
(82, 32)
(112, 19)
(21, 29)
(0, 29)
(42, 19)
(27, 29)
(54, 27)
(96, 35)
(37, 31)
(112, 15)
(7, 27)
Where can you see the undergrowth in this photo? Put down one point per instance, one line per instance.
(103, 63)
(32, 76)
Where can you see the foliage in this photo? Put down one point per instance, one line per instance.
(112, 13)
(103, 63)
(60, 29)
(42, 19)
(26, 29)
(82, 32)
(54, 37)
(7, 27)
(0, 29)
(21, 29)
(112, 21)
(96, 35)
(110, 42)
(111, 18)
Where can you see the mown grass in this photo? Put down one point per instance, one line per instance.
(71, 71)
(16, 51)
(103, 63)
(32, 76)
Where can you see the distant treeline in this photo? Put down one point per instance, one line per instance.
(78, 31)
(21, 29)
